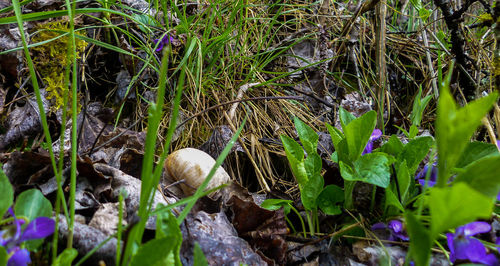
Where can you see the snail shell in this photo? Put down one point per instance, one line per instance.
(192, 166)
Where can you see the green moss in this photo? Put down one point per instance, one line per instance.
(51, 59)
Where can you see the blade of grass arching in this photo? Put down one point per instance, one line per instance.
(61, 13)
(190, 49)
(218, 163)
(34, 44)
(132, 82)
(10, 8)
(43, 117)
(115, 49)
(148, 185)
(36, 88)
(170, 134)
(155, 116)
(184, 201)
(72, 52)
(90, 40)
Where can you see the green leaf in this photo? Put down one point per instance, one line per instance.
(415, 151)
(482, 175)
(392, 200)
(413, 131)
(307, 135)
(313, 164)
(310, 191)
(276, 204)
(373, 168)
(475, 151)
(358, 132)
(454, 128)
(339, 143)
(418, 108)
(295, 156)
(343, 152)
(335, 134)
(393, 146)
(66, 257)
(404, 180)
(7, 193)
(420, 240)
(329, 198)
(3, 256)
(199, 257)
(345, 117)
(334, 157)
(453, 206)
(167, 227)
(155, 252)
(348, 189)
(32, 204)
(146, 20)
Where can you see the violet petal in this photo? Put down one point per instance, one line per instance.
(160, 45)
(429, 183)
(475, 250)
(449, 239)
(368, 148)
(41, 227)
(397, 229)
(461, 247)
(378, 226)
(489, 259)
(475, 228)
(21, 257)
(376, 134)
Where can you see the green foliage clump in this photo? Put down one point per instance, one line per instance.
(51, 59)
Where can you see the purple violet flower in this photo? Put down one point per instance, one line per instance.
(164, 41)
(463, 247)
(11, 240)
(396, 230)
(376, 134)
(433, 176)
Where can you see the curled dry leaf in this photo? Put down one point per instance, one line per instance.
(192, 166)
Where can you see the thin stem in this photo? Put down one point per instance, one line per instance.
(74, 108)
(301, 221)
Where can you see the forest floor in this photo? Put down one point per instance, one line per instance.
(218, 66)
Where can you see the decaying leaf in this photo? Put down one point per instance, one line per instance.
(106, 218)
(10, 38)
(21, 166)
(22, 122)
(85, 239)
(218, 239)
(263, 229)
(132, 188)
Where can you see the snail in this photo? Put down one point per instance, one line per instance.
(192, 166)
